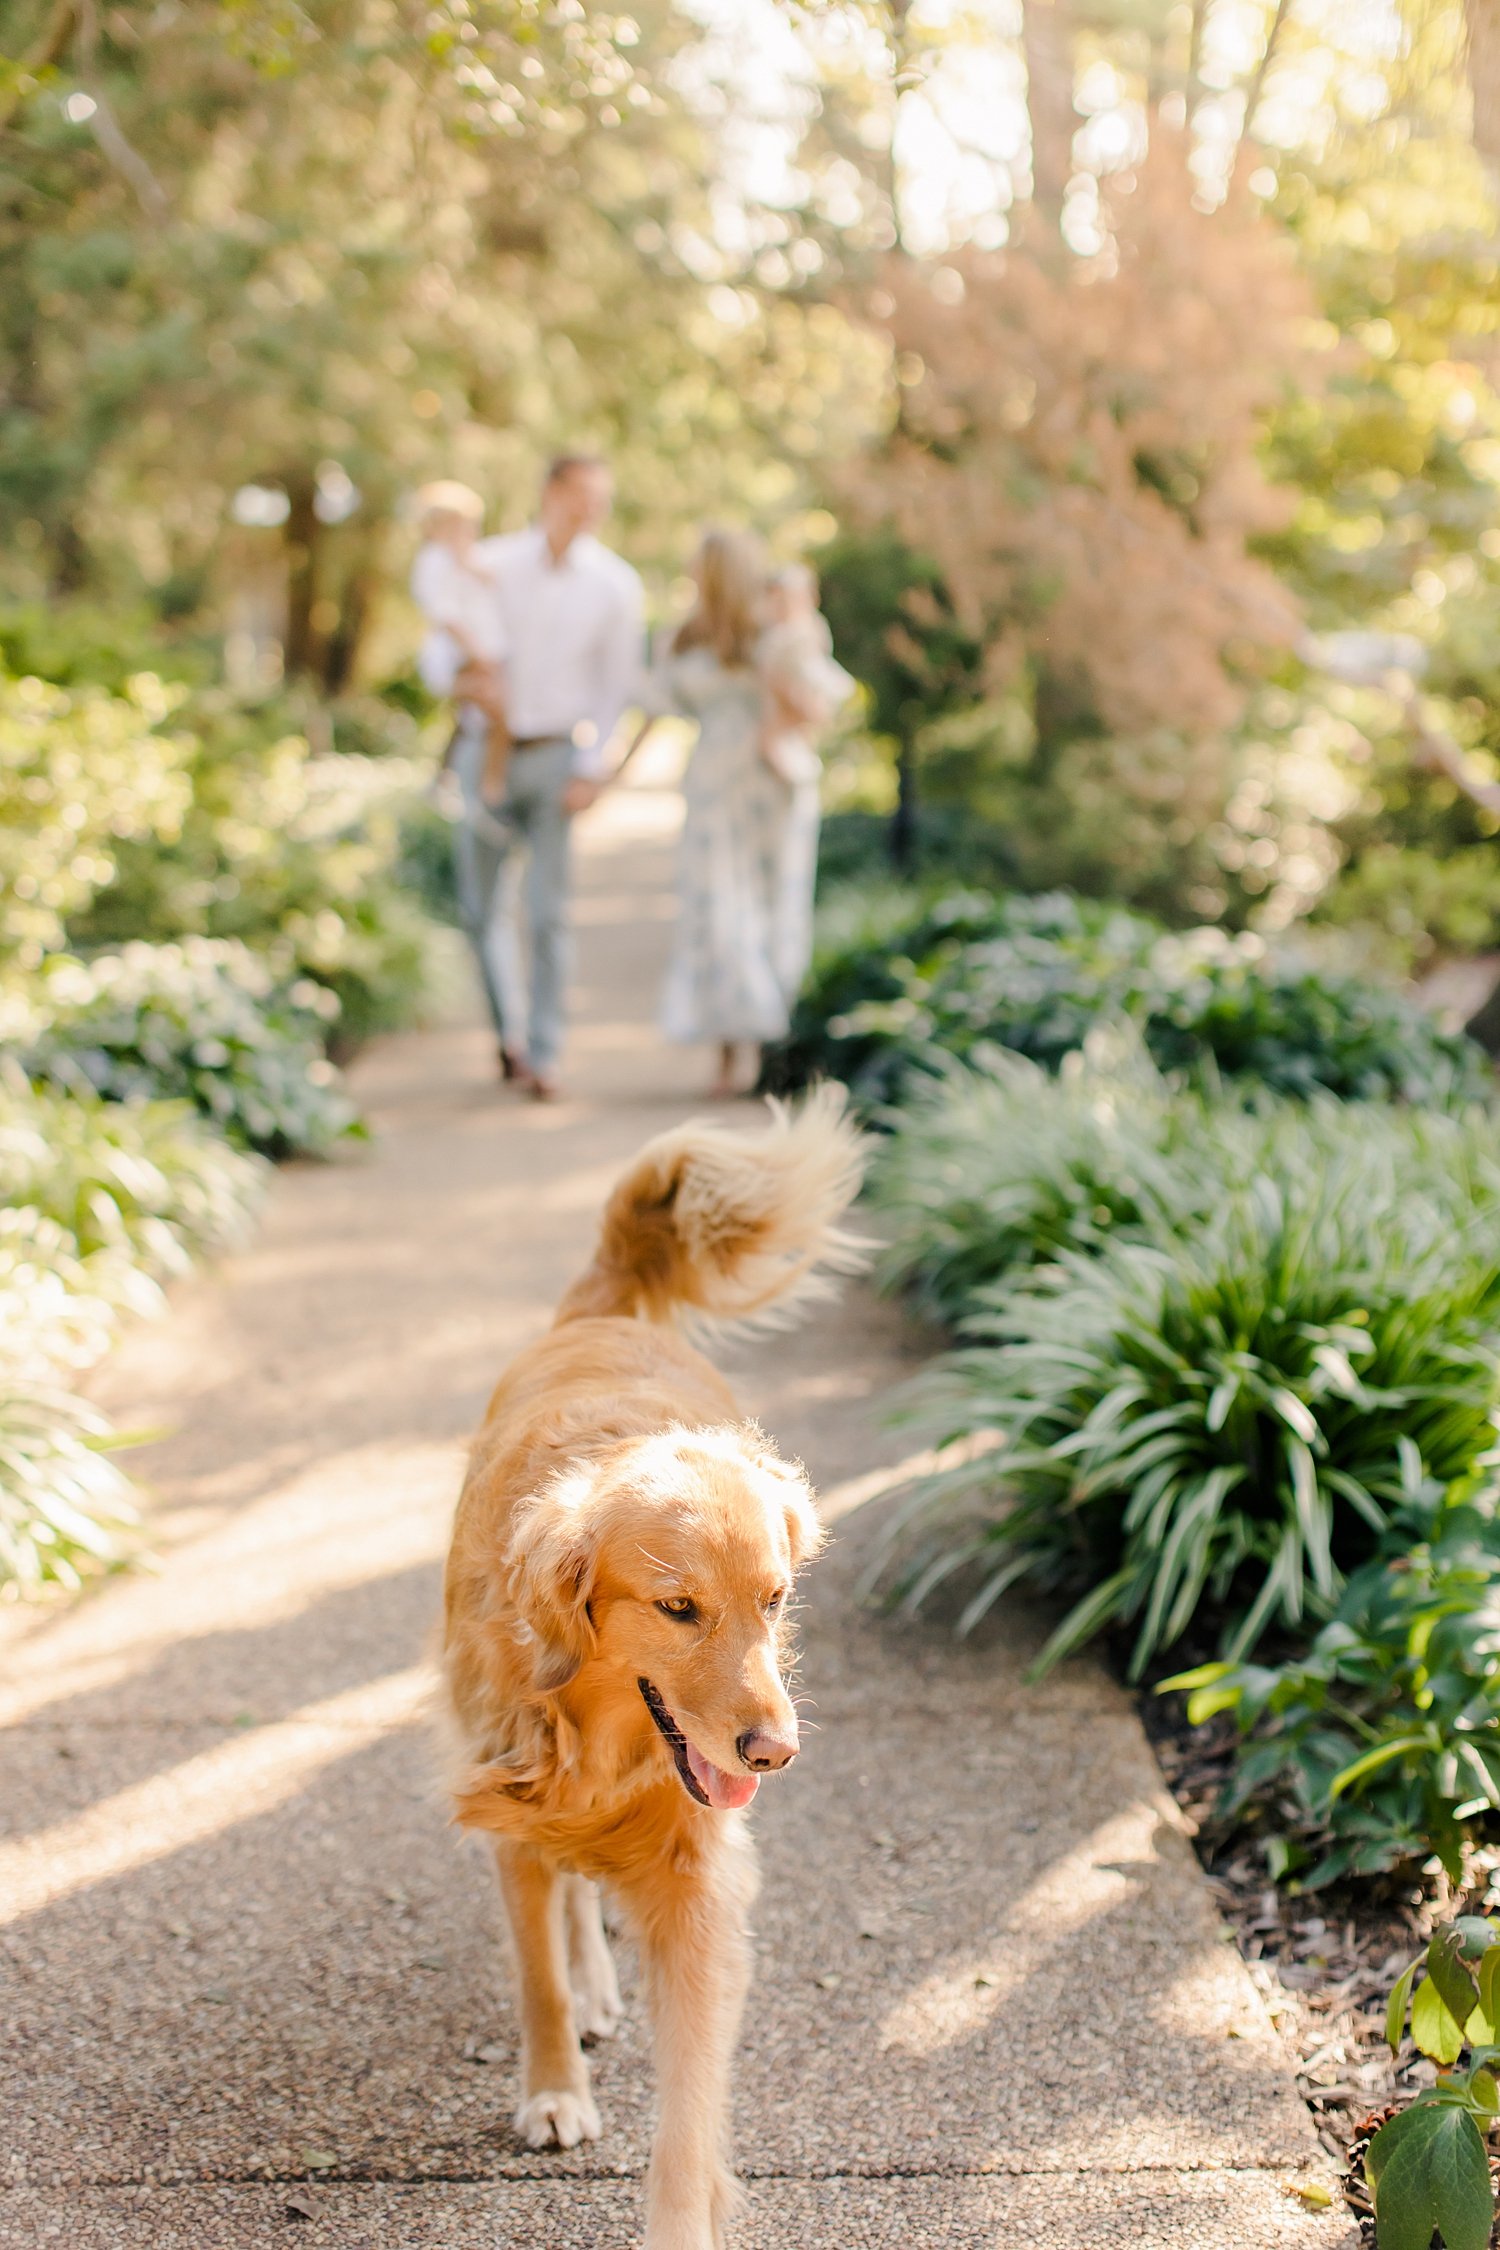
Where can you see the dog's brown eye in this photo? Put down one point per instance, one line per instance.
(679, 1605)
(775, 1601)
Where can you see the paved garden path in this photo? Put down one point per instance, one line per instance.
(251, 1990)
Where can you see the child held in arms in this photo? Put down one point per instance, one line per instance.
(465, 641)
(802, 685)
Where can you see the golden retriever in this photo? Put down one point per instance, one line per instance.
(615, 1642)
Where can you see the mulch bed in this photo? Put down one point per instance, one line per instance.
(1324, 1961)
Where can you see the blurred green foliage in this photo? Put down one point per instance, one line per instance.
(204, 1021)
(99, 1203)
(907, 996)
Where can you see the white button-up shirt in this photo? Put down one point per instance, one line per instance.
(572, 636)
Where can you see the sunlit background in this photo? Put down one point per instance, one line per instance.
(1127, 370)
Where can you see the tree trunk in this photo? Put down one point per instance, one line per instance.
(1484, 1024)
(70, 558)
(1195, 60)
(1047, 37)
(903, 831)
(342, 649)
(904, 818)
(299, 643)
(1257, 85)
(1482, 18)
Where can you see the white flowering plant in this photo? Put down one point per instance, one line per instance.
(100, 1202)
(206, 1022)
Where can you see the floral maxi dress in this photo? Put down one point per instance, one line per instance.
(747, 866)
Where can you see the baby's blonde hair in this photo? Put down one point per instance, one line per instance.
(797, 578)
(445, 496)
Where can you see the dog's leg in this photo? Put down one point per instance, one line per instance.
(597, 2007)
(697, 1955)
(556, 2104)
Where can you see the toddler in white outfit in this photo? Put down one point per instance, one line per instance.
(457, 597)
(802, 683)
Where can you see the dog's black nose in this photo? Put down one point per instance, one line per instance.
(765, 1752)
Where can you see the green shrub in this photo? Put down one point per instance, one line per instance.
(1296, 1031)
(83, 775)
(151, 1183)
(82, 644)
(143, 814)
(1379, 1746)
(1037, 974)
(291, 854)
(98, 1204)
(203, 1022)
(1212, 1425)
(996, 1168)
(424, 866)
(65, 1509)
(1415, 903)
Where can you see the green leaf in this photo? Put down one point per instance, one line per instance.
(1381, 1755)
(1202, 1675)
(1083, 1621)
(1405, 2125)
(1296, 1416)
(1459, 2174)
(1278, 1857)
(1224, 1395)
(1433, 2027)
(1445, 1967)
(1489, 1986)
(1427, 2169)
(1395, 2012)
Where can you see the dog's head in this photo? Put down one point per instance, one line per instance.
(656, 1579)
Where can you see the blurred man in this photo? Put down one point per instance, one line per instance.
(570, 617)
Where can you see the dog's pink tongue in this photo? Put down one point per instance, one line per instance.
(726, 1792)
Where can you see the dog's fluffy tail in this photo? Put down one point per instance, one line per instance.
(728, 1226)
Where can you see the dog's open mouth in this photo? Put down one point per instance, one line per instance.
(703, 1781)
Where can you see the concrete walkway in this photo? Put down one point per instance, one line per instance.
(250, 1984)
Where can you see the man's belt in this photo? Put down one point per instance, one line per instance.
(537, 741)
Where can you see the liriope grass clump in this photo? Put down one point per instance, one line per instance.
(1204, 1414)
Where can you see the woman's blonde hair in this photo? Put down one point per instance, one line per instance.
(730, 569)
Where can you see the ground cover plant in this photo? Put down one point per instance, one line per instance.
(1213, 1392)
(1227, 1373)
(1377, 1747)
(205, 1022)
(99, 1203)
(892, 999)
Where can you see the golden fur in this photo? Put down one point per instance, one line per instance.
(614, 1474)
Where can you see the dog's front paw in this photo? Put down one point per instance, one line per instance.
(563, 2119)
(597, 2006)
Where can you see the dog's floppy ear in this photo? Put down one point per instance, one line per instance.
(805, 1535)
(552, 1555)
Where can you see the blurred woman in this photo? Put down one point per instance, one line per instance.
(732, 975)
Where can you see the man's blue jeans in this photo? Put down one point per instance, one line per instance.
(513, 861)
